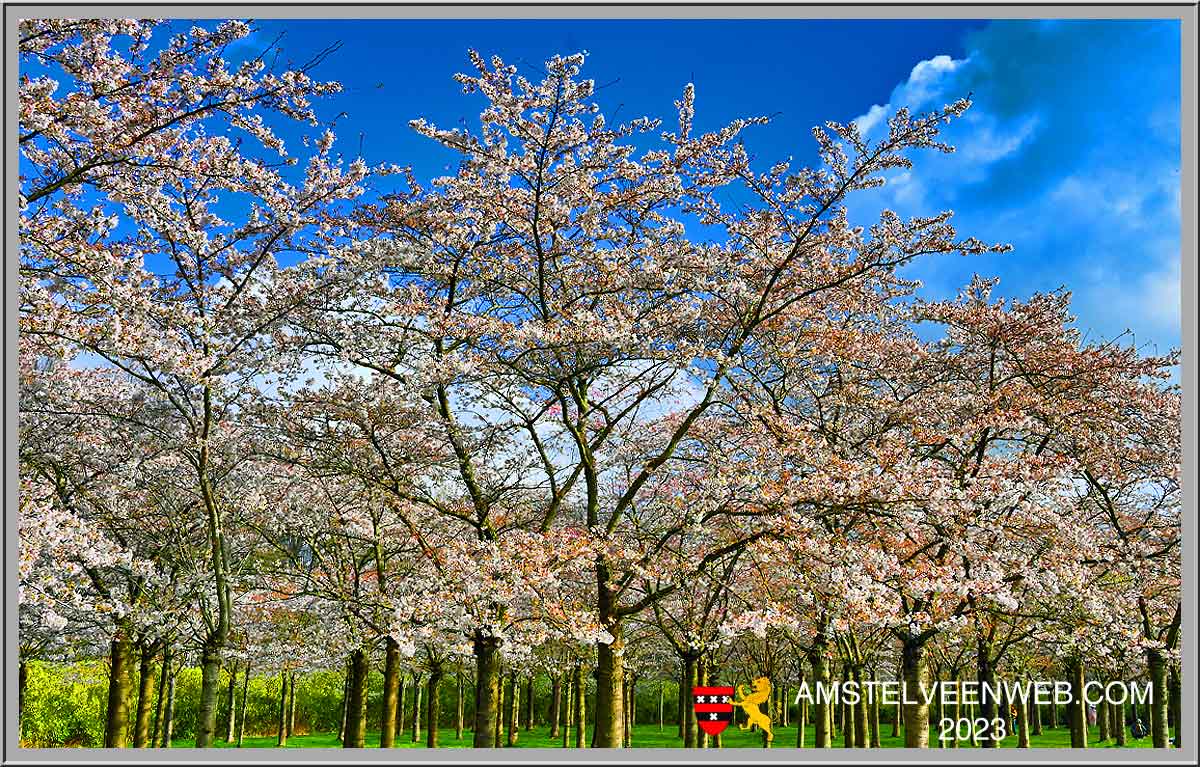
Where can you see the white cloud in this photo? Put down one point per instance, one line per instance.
(925, 83)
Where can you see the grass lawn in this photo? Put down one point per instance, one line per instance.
(648, 736)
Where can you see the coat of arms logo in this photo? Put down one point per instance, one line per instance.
(714, 708)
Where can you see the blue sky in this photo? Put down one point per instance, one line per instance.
(1071, 152)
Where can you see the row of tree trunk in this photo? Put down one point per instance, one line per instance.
(505, 701)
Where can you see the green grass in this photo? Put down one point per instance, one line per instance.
(648, 736)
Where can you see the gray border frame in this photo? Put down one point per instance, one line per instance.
(1186, 13)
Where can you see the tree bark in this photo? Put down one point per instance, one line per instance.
(1118, 724)
(241, 728)
(691, 678)
(1035, 712)
(580, 713)
(1176, 694)
(1022, 704)
(529, 703)
(210, 686)
(682, 701)
(356, 708)
(282, 734)
(555, 704)
(986, 677)
(22, 681)
(345, 704)
(400, 689)
(820, 708)
(141, 727)
(1077, 713)
(500, 715)
(1159, 723)
(610, 669)
(916, 683)
(631, 710)
(800, 712)
(116, 725)
(291, 722)
(433, 709)
(862, 713)
(458, 700)
(848, 715)
(512, 702)
(1102, 720)
(391, 690)
(416, 709)
(661, 703)
(875, 741)
(487, 690)
(156, 730)
(169, 716)
(568, 709)
(231, 703)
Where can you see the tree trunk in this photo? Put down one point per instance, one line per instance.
(529, 703)
(416, 709)
(241, 728)
(210, 687)
(875, 741)
(156, 730)
(1102, 719)
(117, 721)
(555, 704)
(986, 677)
(231, 703)
(391, 690)
(628, 726)
(169, 716)
(356, 707)
(1035, 712)
(500, 712)
(400, 689)
(610, 669)
(661, 703)
(682, 702)
(1176, 694)
(22, 681)
(433, 709)
(487, 690)
(345, 704)
(820, 708)
(568, 708)
(1077, 713)
(800, 712)
(141, 727)
(282, 735)
(458, 700)
(1118, 725)
(916, 685)
(691, 678)
(1022, 704)
(580, 713)
(512, 708)
(631, 711)
(862, 713)
(292, 707)
(848, 715)
(1159, 723)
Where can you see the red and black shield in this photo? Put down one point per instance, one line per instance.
(714, 708)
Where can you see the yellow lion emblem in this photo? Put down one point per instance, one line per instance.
(750, 703)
